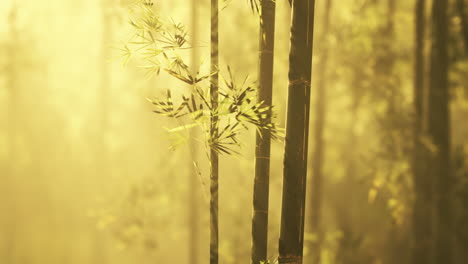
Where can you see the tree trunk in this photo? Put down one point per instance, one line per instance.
(262, 148)
(193, 216)
(423, 183)
(319, 147)
(297, 131)
(214, 170)
(439, 131)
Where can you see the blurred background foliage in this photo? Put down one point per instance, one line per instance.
(87, 175)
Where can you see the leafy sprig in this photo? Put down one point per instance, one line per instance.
(158, 42)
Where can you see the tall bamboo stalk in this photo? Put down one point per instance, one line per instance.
(104, 86)
(214, 161)
(12, 132)
(297, 129)
(263, 145)
(439, 131)
(319, 146)
(193, 216)
(461, 6)
(422, 220)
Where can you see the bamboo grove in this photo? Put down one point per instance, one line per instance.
(220, 131)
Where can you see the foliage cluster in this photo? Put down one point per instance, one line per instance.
(159, 42)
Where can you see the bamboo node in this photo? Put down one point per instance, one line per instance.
(299, 81)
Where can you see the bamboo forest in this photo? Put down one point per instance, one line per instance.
(234, 131)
